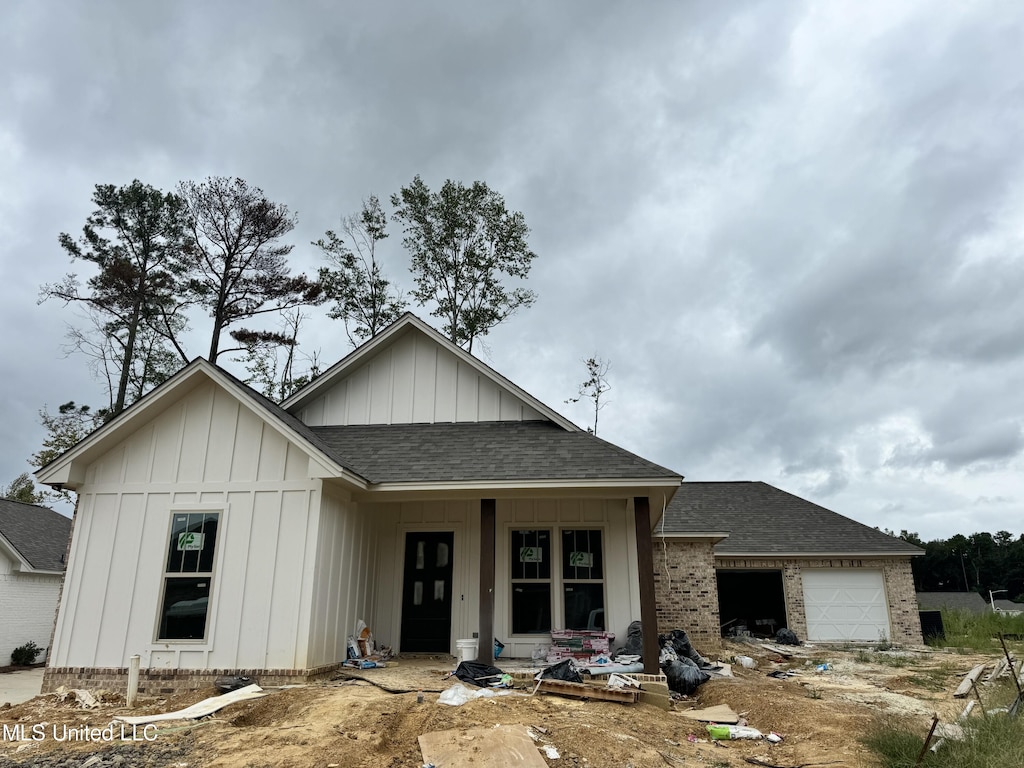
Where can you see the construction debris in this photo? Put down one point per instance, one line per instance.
(504, 746)
(720, 713)
(968, 682)
(200, 709)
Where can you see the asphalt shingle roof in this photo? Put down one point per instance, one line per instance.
(762, 519)
(481, 451)
(38, 533)
(954, 601)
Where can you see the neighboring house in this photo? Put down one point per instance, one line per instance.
(970, 602)
(410, 486)
(749, 556)
(1008, 607)
(33, 541)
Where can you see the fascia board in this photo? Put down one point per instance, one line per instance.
(21, 564)
(304, 395)
(814, 555)
(520, 489)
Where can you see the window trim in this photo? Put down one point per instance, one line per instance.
(206, 642)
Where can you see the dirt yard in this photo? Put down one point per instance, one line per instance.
(356, 724)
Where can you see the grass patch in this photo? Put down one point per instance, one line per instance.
(977, 632)
(993, 742)
(934, 679)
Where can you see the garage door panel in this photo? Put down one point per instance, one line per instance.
(845, 605)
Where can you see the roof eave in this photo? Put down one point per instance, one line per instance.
(13, 554)
(590, 488)
(823, 555)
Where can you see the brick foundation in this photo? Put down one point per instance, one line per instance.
(163, 682)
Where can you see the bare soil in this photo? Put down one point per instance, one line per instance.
(358, 723)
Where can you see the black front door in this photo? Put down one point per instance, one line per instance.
(427, 593)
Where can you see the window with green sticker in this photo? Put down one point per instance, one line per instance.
(188, 576)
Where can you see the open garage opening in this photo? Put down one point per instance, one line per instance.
(751, 602)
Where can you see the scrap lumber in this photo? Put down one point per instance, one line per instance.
(997, 669)
(584, 691)
(200, 709)
(968, 682)
(499, 747)
(720, 713)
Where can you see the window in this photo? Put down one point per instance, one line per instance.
(188, 575)
(578, 578)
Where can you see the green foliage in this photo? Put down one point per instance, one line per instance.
(990, 742)
(25, 655)
(135, 241)
(464, 243)
(274, 373)
(23, 489)
(976, 631)
(594, 386)
(66, 428)
(363, 298)
(979, 562)
(237, 265)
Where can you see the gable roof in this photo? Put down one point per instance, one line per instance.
(953, 601)
(405, 324)
(764, 520)
(482, 452)
(37, 535)
(62, 471)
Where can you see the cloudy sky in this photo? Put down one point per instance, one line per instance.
(795, 229)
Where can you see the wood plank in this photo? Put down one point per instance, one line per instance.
(720, 713)
(648, 604)
(584, 691)
(997, 670)
(967, 683)
(485, 648)
(504, 746)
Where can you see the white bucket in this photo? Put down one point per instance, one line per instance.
(468, 648)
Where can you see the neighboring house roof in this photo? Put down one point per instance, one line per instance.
(953, 601)
(38, 535)
(482, 451)
(763, 520)
(1008, 605)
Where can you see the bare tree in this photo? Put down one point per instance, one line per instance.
(594, 387)
(238, 264)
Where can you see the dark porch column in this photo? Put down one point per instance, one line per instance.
(645, 563)
(485, 654)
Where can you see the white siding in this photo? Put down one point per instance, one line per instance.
(344, 591)
(27, 605)
(415, 381)
(210, 450)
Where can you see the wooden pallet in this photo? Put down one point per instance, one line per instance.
(584, 691)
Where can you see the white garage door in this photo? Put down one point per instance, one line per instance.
(845, 605)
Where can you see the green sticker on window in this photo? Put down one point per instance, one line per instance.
(190, 541)
(531, 555)
(581, 559)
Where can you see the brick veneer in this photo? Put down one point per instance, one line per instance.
(687, 589)
(159, 682)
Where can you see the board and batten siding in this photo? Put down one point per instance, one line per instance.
(344, 589)
(207, 451)
(415, 381)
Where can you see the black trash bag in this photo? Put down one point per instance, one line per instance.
(680, 642)
(475, 673)
(227, 683)
(787, 636)
(563, 670)
(684, 676)
(634, 642)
